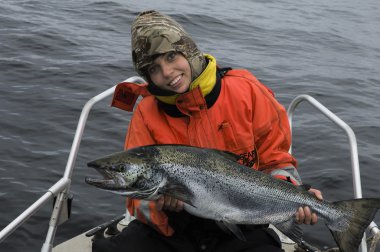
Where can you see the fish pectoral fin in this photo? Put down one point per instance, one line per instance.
(225, 226)
(291, 229)
(178, 192)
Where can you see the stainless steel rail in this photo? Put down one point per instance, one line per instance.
(51, 193)
(62, 187)
(373, 228)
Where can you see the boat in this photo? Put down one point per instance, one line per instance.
(60, 191)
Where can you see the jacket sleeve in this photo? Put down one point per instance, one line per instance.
(138, 135)
(273, 136)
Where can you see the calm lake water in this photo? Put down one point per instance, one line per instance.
(56, 55)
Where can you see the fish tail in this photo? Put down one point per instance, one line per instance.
(358, 214)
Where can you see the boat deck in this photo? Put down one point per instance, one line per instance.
(82, 243)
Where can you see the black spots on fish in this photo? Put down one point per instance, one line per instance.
(154, 152)
(178, 155)
(218, 186)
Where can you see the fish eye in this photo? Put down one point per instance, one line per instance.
(119, 168)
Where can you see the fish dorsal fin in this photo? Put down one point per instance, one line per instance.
(227, 154)
(178, 192)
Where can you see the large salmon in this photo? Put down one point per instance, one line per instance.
(214, 186)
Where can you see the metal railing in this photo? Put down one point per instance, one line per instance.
(62, 187)
(373, 228)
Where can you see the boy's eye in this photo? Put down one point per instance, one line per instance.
(152, 69)
(171, 56)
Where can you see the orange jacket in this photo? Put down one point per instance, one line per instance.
(243, 117)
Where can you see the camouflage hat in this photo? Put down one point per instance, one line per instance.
(154, 33)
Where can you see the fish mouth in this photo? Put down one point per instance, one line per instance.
(108, 181)
(114, 182)
(105, 182)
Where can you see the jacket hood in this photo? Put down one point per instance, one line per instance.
(154, 33)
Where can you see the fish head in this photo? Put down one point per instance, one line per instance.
(128, 173)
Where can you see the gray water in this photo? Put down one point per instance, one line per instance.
(56, 55)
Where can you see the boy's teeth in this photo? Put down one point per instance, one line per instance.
(175, 81)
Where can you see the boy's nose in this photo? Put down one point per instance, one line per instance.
(166, 70)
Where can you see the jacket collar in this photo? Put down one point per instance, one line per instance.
(193, 101)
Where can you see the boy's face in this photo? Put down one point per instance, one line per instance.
(171, 71)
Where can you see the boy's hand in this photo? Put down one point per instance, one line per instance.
(169, 203)
(304, 214)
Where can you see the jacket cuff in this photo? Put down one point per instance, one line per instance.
(289, 174)
(146, 212)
